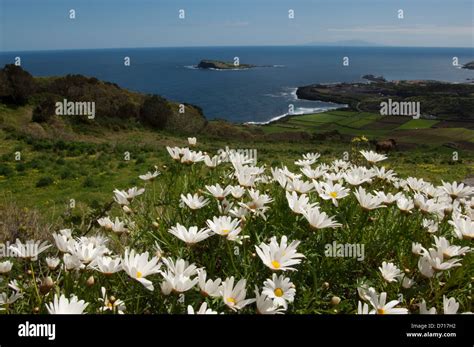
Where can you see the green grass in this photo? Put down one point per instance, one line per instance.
(418, 124)
(72, 163)
(386, 233)
(346, 122)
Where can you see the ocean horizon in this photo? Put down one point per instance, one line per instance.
(256, 95)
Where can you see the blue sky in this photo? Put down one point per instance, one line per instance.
(44, 24)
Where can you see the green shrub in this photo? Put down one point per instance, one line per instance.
(140, 160)
(20, 167)
(16, 85)
(5, 170)
(66, 173)
(90, 182)
(155, 112)
(44, 110)
(44, 181)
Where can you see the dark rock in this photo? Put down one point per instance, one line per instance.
(373, 78)
(221, 65)
(469, 66)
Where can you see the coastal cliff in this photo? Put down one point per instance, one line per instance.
(469, 66)
(453, 101)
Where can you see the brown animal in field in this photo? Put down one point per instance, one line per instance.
(386, 145)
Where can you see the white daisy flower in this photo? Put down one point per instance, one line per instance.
(150, 176)
(381, 307)
(333, 192)
(212, 162)
(430, 225)
(63, 305)
(190, 235)
(373, 157)
(368, 201)
(390, 272)
(298, 203)
(448, 250)
(225, 226)
(63, 240)
(107, 265)
(178, 275)
(194, 202)
(234, 297)
(424, 310)
(29, 250)
(363, 308)
(52, 262)
(450, 306)
(280, 289)
(138, 266)
(237, 191)
(319, 220)
(72, 262)
(218, 192)
(455, 190)
(202, 309)
(279, 256)
(110, 303)
(265, 305)
(174, 152)
(209, 288)
(463, 227)
(5, 267)
(405, 205)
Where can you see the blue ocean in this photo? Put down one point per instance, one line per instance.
(254, 95)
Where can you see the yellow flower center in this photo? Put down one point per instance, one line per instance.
(231, 301)
(225, 231)
(276, 264)
(380, 311)
(278, 292)
(333, 194)
(139, 274)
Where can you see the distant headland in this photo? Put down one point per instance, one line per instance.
(469, 66)
(441, 100)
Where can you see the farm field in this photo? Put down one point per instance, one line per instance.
(403, 129)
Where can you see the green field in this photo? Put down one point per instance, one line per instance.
(418, 124)
(374, 126)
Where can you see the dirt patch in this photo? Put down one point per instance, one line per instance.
(454, 124)
(464, 145)
(293, 136)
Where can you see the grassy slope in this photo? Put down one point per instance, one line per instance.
(90, 165)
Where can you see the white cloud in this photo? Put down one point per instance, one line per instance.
(412, 30)
(236, 24)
